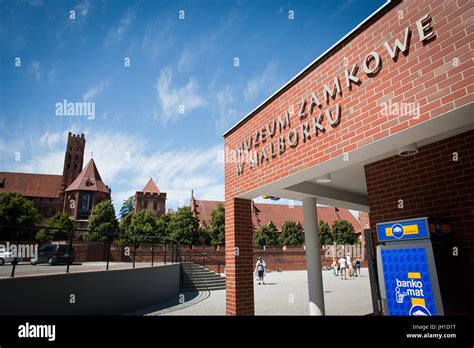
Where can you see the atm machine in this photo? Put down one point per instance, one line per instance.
(419, 269)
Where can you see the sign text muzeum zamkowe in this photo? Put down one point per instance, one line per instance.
(261, 145)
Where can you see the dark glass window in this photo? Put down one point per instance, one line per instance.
(86, 198)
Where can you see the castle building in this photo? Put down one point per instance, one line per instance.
(75, 192)
(84, 193)
(263, 214)
(150, 198)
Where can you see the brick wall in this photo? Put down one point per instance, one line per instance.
(291, 259)
(426, 75)
(430, 184)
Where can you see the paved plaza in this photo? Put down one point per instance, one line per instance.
(285, 293)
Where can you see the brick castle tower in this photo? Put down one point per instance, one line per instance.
(73, 160)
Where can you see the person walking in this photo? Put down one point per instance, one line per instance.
(357, 267)
(349, 266)
(260, 271)
(334, 267)
(342, 265)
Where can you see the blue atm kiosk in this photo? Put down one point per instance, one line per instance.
(406, 266)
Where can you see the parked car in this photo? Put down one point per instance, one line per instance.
(6, 256)
(53, 254)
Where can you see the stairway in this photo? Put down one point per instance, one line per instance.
(195, 277)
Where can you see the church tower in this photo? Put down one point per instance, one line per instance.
(73, 159)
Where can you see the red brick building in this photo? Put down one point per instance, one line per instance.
(381, 122)
(263, 214)
(75, 192)
(151, 198)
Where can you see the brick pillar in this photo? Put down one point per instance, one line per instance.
(239, 257)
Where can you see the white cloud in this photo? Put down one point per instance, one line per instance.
(83, 7)
(116, 33)
(262, 83)
(185, 61)
(157, 38)
(51, 139)
(126, 163)
(94, 91)
(172, 98)
(226, 108)
(35, 70)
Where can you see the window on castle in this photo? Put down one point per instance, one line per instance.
(69, 166)
(75, 166)
(69, 157)
(76, 157)
(155, 205)
(86, 198)
(145, 204)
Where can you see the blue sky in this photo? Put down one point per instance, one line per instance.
(138, 130)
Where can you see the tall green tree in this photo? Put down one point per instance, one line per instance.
(325, 235)
(266, 235)
(102, 222)
(183, 226)
(58, 227)
(343, 232)
(216, 229)
(127, 207)
(142, 225)
(17, 210)
(163, 224)
(291, 234)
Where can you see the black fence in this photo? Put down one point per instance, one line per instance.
(22, 255)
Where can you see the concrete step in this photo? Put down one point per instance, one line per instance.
(197, 277)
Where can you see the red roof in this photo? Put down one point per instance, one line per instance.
(89, 180)
(31, 185)
(278, 214)
(151, 187)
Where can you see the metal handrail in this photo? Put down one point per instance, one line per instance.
(219, 263)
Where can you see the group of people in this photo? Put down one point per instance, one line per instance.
(345, 266)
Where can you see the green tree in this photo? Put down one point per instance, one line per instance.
(266, 235)
(127, 207)
(217, 228)
(142, 224)
(17, 210)
(60, 228)
(343, 232)
(183, 226)
(291, 234)
(163, 224)
(102, 222)
(325, 235)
